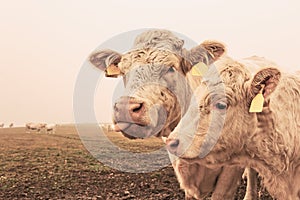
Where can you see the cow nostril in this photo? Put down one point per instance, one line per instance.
(136, 107)
(172, 145)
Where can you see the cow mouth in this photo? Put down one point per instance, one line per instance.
(150, 123)
(123, 126)
(134, 130)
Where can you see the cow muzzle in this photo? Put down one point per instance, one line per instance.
(137, 119)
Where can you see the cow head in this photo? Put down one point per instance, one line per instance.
(156, 91)
(219, 124)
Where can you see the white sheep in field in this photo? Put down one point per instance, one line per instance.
(50, 128)
(34, 127)
(220, 130)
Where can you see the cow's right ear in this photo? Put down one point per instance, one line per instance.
(204, 54)
(107, 60)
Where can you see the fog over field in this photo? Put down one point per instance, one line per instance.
(45, 43)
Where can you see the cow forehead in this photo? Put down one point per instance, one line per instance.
(140, 70)
(223, 82)
(136, 58)
(148, 80)
(142, 75)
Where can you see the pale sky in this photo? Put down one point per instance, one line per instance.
(44, 44)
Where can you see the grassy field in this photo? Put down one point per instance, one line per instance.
(57, 166)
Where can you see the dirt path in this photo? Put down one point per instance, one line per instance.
(40, 166)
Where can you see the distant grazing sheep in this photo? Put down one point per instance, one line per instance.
(50, 128)
(34, 126)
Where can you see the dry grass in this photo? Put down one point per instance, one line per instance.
(57, 166)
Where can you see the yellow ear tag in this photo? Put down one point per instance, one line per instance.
(112, 71)
(257, 102)
(199, 69)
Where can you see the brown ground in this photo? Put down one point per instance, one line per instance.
(57, 166)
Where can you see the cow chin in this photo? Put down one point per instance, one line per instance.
(134, 130)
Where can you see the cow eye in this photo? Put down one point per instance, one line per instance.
(221, 105)
(171, 70)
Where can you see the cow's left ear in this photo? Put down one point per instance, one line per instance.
(107, 60)
(207, 53)
(263, 83)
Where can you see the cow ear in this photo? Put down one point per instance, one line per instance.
(214, 51)
(107, 60)
(262, 85)
(207, 53)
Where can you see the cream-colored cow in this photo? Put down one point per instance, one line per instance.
(158, 89)
(219, 128)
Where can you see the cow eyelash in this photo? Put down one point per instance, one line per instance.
(221, 105)
(171, 70)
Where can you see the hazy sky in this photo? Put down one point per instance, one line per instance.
(43, 44)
